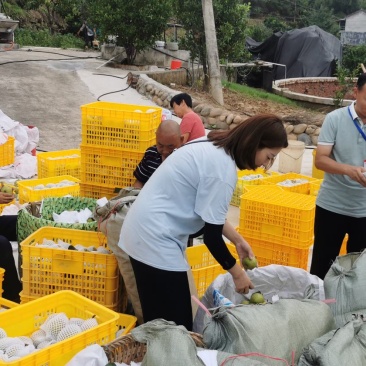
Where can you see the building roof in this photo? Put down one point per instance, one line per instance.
(354, 13)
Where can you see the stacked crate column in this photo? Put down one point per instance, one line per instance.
(279, 225)
(114, 139)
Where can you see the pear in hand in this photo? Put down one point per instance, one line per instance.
(249, 263)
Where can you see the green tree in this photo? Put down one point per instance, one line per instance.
(53, 12)
(136, 23)
(353, 56)
(276, 24)
(345, 6)
(231, 18)
(322, 16)
(258, 32)
(345, 79)
(53, 15)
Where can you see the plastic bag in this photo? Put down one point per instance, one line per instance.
(284, 281)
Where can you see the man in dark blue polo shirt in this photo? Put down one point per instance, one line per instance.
(168, 138)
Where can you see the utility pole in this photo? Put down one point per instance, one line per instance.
(212, 52)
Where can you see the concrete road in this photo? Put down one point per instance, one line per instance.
(48, 91)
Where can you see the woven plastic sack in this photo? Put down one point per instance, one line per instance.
(31, 218)
(284, 281)
(346, 282)
(110, 219)
(275, 330)
(344, 346)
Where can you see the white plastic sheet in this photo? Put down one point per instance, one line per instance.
(72, 217)
(26, 139)
(24, 167)
(94, 355)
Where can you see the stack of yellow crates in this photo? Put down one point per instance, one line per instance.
(114, 138)
(278, 224)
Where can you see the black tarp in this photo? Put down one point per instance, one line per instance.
(264, 50)
(306, 52)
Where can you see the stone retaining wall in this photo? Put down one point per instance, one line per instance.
(220, 118)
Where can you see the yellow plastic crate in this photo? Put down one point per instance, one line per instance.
(316, 173)
(268, 213)
(2, 271)
(299, 188)
(7, 152)
(3, 205)
(55, 163)
(269, 253)
(27, 193)
(243, 181)
(315, 186)
(119, 126)
(108, 166)
(97, 191)
(6, 304)
(204, 266)
(125, 324)
(24, 319)
(47, 270)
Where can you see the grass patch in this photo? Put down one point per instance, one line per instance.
(44, 38)
(259, 94)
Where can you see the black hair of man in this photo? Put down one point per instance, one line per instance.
(361, 81)
(178, 98)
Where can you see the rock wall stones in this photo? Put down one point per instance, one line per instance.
(303, 128)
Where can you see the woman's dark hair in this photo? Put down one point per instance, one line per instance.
(361, 81)
(178, 98)
(256, 133)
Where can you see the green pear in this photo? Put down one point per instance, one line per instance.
(245, 302)
(257, 298)
(249, 263)
(7, 189)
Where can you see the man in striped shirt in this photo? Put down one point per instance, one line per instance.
(168, 138)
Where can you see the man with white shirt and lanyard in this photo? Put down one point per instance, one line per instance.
(341, 202)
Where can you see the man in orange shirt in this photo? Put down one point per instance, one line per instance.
(191, 126)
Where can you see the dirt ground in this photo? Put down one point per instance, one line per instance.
(324, 89)
(241, 104)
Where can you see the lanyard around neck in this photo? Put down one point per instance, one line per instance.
(356, 124)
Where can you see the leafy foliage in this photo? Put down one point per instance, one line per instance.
(28, 37)
(258, 32)
(353, 56)
(231, 18)
(275, 24)
(346, 82)
(137, 24)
